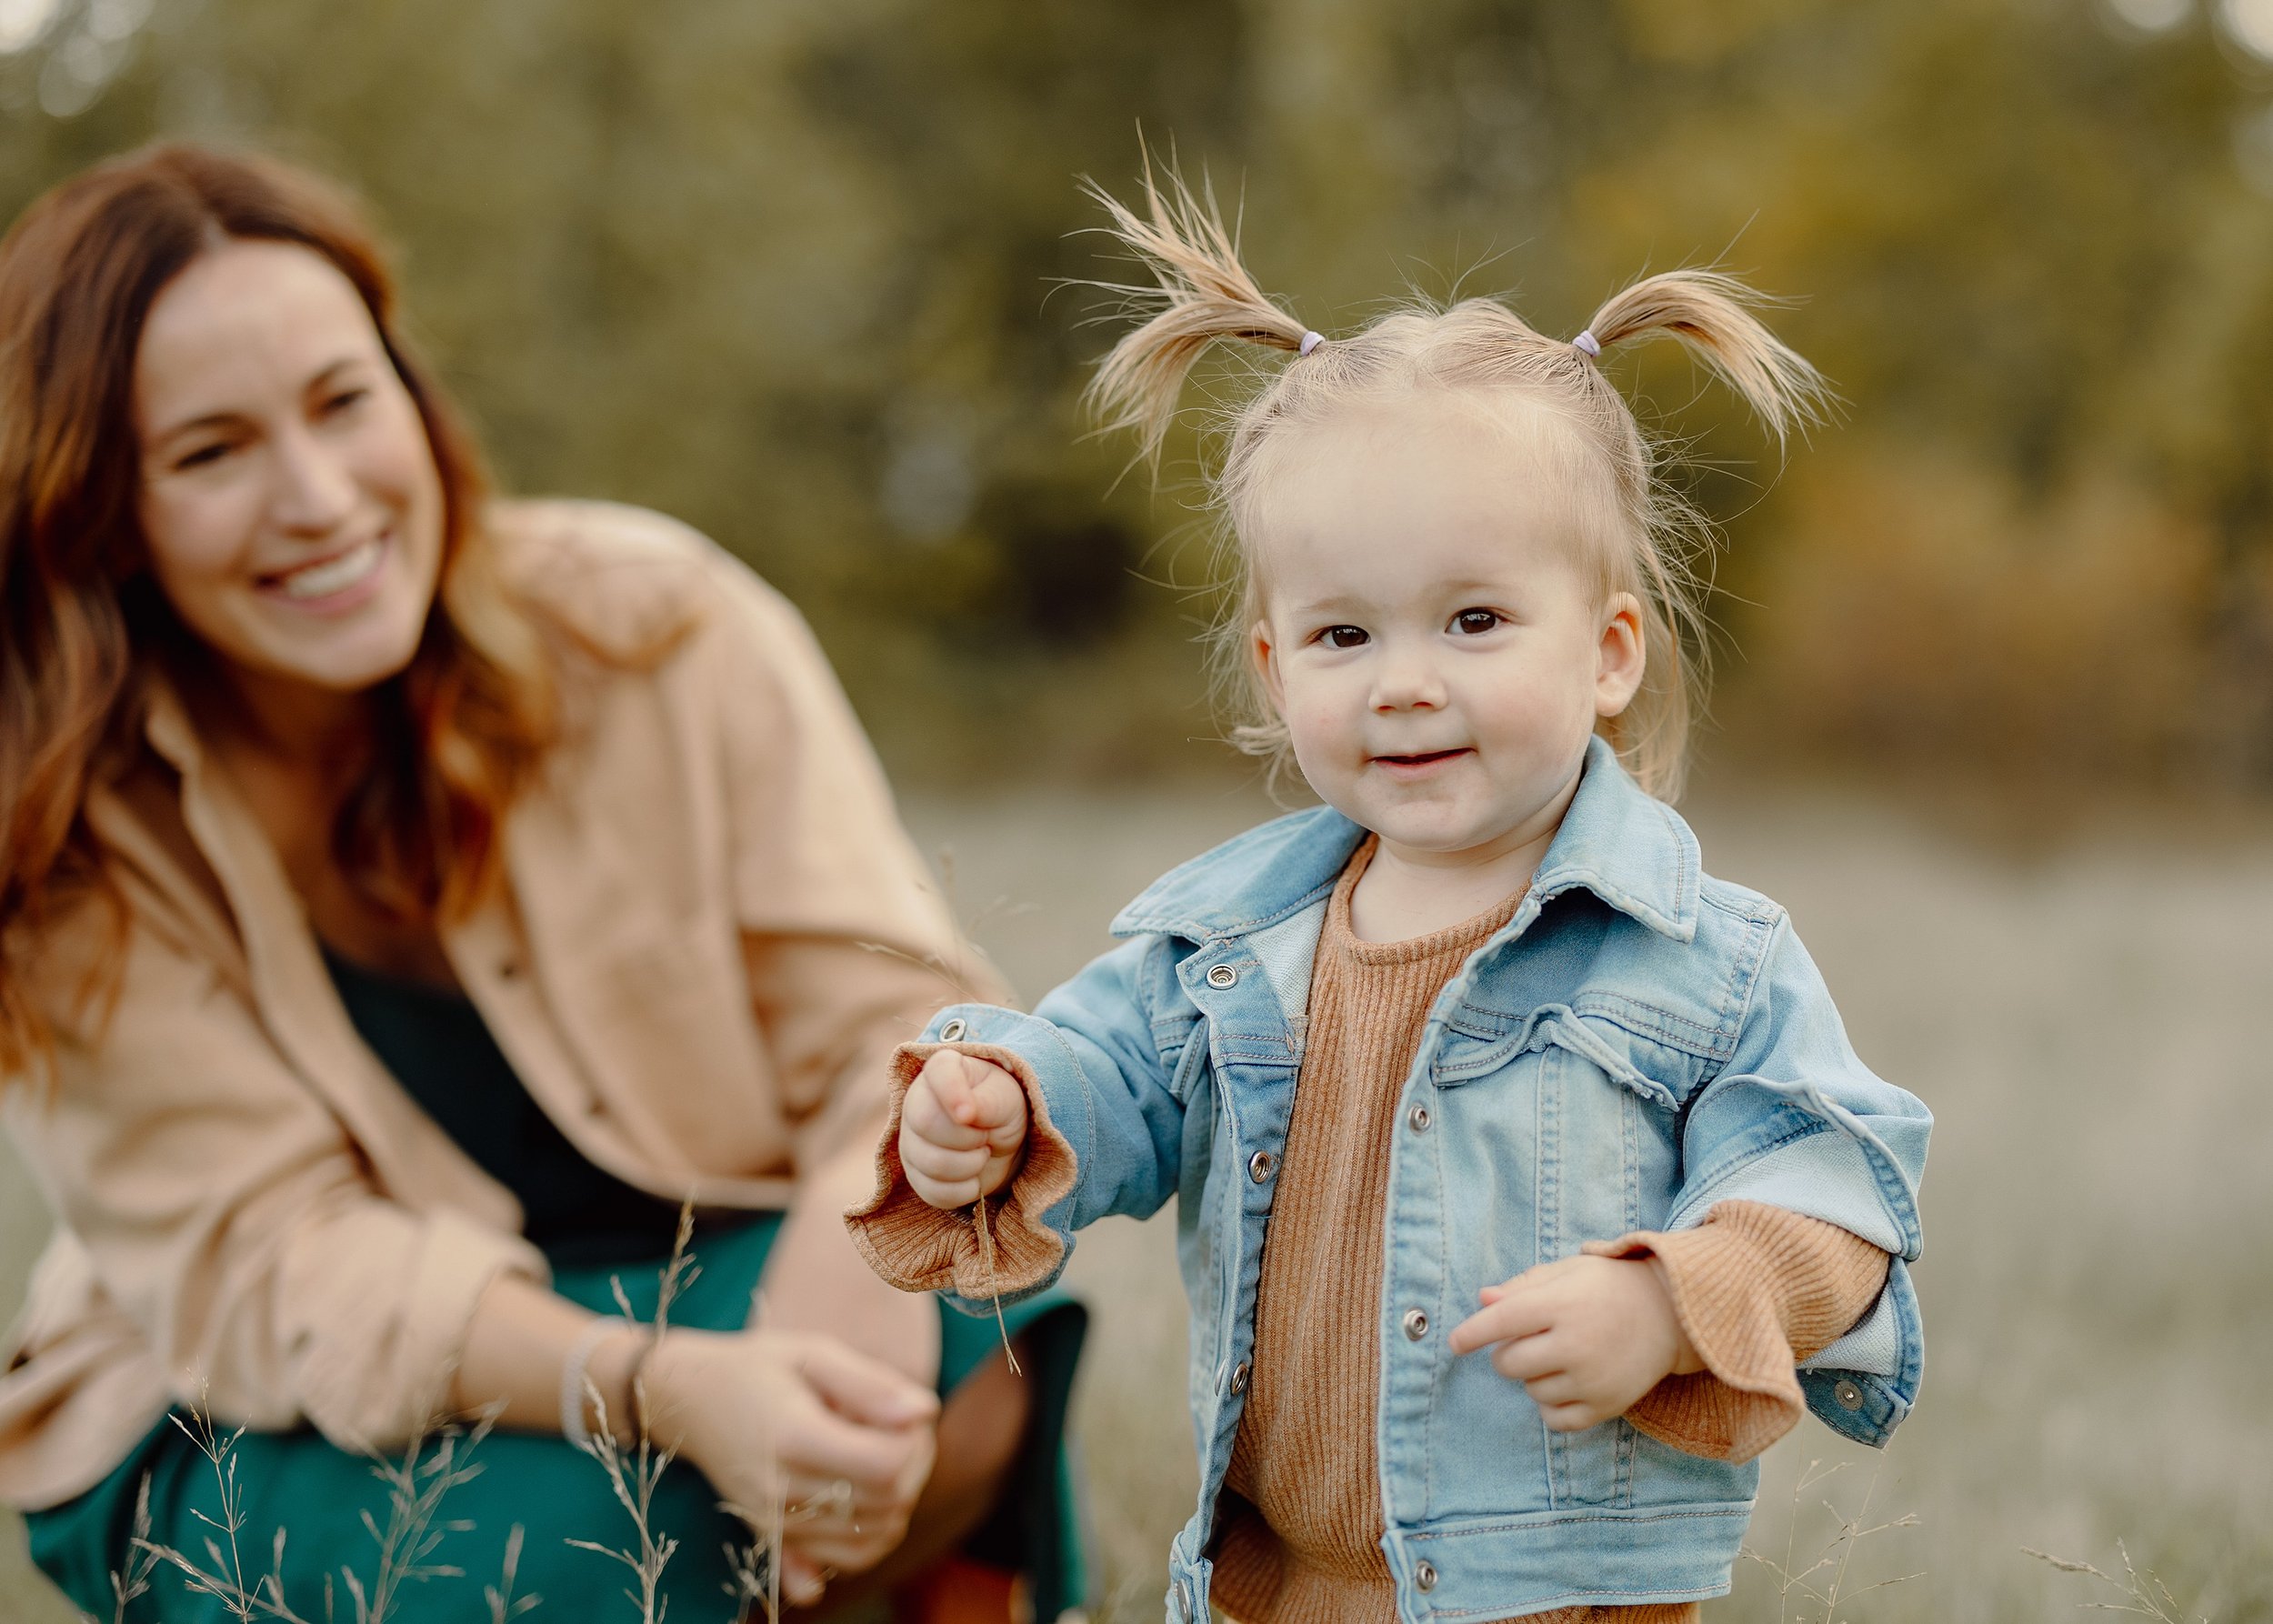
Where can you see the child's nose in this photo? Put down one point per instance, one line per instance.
(1407, 683)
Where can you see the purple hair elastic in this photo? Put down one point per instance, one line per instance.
(1588, 345)
(1311, 341)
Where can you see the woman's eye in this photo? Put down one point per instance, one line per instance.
(1475, 623)
(345, 399)
(1343, 637)
(200, 458)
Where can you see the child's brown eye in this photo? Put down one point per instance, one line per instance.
(1343, 637)
(1474, 623)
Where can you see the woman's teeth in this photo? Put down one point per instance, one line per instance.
(333, 574)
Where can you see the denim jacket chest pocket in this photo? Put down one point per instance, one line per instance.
(1563, 1125)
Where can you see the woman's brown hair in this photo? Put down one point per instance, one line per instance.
(459, 731)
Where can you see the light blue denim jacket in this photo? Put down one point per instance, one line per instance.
(1639, 1042)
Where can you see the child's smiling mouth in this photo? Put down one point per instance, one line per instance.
(1414, 767)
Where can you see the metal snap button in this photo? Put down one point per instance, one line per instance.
(1425, 1575)
(1415, 1324)
(1261, 1165)
(1223, 975)
(953, 1030)
(1240, 1373)
(1180, 1598)
(1849, 1396)
(1420, 1118)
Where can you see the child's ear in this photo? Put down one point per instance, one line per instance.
(1265, 654)
(1621, 657)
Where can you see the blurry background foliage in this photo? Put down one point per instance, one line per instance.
(783, 268)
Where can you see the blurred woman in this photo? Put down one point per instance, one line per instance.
(410, 900)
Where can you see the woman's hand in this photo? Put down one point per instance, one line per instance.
(799, 1427)
(962, 1129)
(1587, 1336)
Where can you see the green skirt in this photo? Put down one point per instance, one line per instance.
(319, 1496)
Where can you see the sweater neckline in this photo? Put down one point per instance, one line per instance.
(1452, 941)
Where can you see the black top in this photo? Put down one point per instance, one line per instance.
(439, 1049)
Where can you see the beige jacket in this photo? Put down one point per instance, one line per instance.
(714, 932)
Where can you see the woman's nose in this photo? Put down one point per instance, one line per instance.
(315, 490)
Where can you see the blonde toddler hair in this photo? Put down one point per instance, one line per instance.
(1640, 536)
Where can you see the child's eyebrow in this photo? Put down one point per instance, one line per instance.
(1336, 602)
(1505, 586)
(1431, 596)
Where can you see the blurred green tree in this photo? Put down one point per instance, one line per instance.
(786, 270)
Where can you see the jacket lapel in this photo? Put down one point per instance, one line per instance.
(295, 1001)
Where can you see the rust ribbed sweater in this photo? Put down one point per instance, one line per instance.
(1756, 1289)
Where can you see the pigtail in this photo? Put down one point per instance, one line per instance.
(1201, 295)
(1712, 314)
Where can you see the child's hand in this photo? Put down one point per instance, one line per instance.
(1587, 1336)
(962, 1129)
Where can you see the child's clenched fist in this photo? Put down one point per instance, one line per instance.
(962, 1129)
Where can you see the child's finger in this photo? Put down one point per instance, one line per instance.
(1530, 1358)
(953, 1078)
(1513, 1313)
(1570, 1417)
(1529, 1283)
(1558, 1387)
(939, 1163)
(998, 1102)
(952, 1196)
(927, 1115)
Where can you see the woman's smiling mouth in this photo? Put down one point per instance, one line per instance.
(328, 583)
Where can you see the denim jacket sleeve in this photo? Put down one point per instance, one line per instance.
(1094, 1053)
(1797, 1121)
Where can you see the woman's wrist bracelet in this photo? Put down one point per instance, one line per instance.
(575, 1375)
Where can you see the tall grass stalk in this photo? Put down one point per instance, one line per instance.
(2143, 1593)
(415, 1485)
(132, 1583)
(503, 1605)
(1822, 1585)
(633, 1474)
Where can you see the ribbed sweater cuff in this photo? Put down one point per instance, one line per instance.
(1757, 1289)
(914, 1245)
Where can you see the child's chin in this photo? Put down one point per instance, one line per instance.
(1439, 837)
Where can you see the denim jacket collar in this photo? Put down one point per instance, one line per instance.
(1626, 847)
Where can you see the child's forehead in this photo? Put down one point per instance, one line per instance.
(1488, 424)
(1352, 567)
(1420, 486)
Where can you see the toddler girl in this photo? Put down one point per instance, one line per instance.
(1526, 1185)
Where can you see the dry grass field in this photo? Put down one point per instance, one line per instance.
(2083, 1015)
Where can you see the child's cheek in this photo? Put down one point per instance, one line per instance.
(1319, 722)
(1329, 738)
